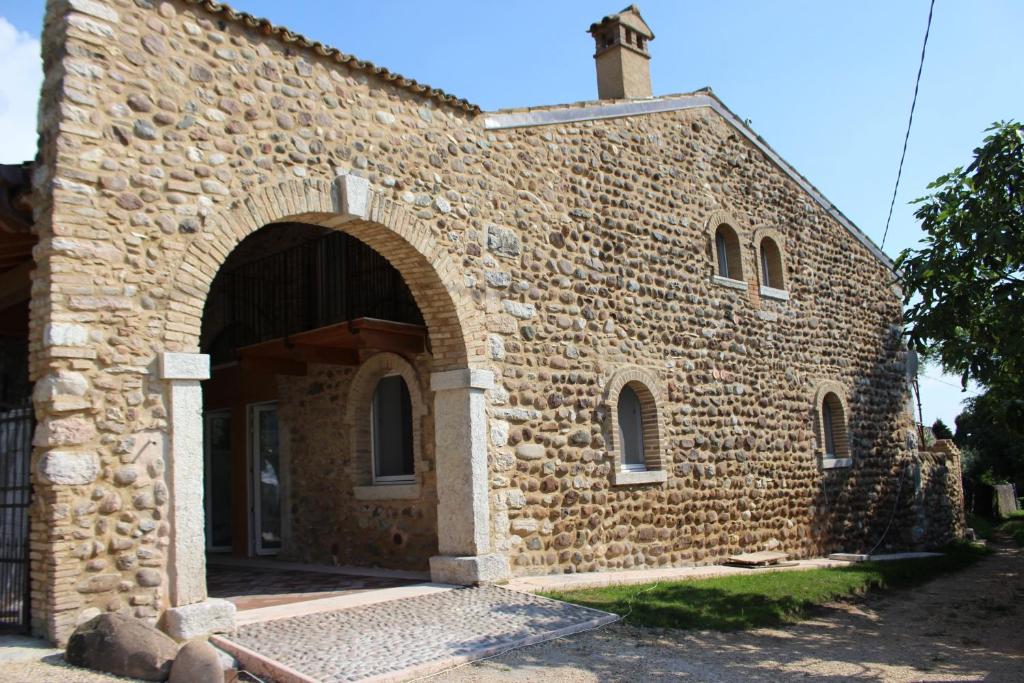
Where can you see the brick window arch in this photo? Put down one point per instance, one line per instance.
(728, 257)
(633, 429)
(386, 383)
(771, 262)
(832, 432)
(727, 238)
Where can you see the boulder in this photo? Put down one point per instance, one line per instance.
(197, 662)
(124, 646)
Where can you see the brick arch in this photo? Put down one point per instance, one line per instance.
(357, 413)
(721, 217)
(648, 389)
(757, 238)
(454, 322)
(840, 417)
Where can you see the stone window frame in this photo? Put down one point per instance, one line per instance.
(647, 388)
(734, 255)
(360, 427)
(779, 241)
(840, 421)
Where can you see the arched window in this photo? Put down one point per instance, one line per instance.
(727, 253)
(631, 431)
(634, 428)
(771, 265)
(833, 424)
(832, 428)
(391, 417)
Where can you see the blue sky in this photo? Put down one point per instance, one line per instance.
(827, 84)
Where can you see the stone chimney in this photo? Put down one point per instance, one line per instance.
(623, 62)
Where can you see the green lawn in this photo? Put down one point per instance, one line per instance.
(764, 599)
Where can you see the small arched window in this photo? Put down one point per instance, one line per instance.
(631, 431)
(391, 417)
(831, 416)
(727, 253)
(634, 428)
(771, 265)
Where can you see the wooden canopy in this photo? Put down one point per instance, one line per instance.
(337, 344)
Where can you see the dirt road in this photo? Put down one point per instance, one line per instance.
(964, 627)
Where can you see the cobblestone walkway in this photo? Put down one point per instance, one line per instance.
(442, 629)
(252, 588)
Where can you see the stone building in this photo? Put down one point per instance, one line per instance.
(285, 302)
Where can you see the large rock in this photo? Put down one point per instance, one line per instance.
(212, 615)
(197, 662)
(123, 646)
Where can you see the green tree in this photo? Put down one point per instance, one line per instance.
(964, 286)
(941, 430)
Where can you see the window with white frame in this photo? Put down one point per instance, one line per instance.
(392, 438)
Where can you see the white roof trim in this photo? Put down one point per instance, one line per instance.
(613, 110)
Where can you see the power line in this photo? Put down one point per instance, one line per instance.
(906, 138)
(972, 392)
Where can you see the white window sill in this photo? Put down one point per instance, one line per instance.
(627, 478)
(772, 293)
(729, 282)
(835, 463)
(387, 492)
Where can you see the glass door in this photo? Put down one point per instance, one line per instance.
(217, 457)
(265, 468)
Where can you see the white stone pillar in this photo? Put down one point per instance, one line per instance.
(191, 613)
(463, 510)
(187, 555)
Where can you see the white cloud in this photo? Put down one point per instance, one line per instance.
(21, 77)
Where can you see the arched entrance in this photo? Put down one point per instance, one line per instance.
(452, 386)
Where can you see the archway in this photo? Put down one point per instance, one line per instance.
(454, 329)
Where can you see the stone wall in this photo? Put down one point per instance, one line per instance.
(553, 256)
(330, 522)
(937, 503)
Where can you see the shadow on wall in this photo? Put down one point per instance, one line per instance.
(892, 497)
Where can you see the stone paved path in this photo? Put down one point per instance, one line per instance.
(357, 643)
(252, 588)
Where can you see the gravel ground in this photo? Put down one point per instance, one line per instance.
(52, 669)
(964, 627)
(968, 626)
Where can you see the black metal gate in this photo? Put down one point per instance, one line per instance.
(16, 425)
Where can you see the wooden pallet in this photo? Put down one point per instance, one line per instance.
(765, 558)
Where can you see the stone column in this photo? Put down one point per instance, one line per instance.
(460, 435)
(191, 613)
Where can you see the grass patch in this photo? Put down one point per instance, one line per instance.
(1014, 527)
(749, 601)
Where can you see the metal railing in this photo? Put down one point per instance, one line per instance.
(321, 282)
(16, 426)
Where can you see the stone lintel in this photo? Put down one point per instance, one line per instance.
(469, 571)
(184, 366)
(463, 378)
(212, 615)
